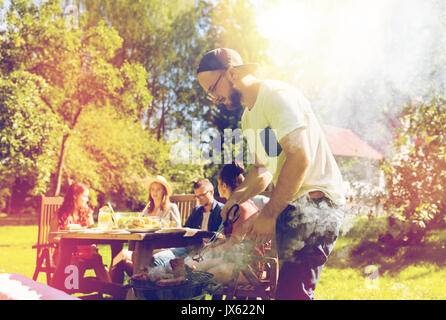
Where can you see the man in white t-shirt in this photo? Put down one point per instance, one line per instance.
(289, 149)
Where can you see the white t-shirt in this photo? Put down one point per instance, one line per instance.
(279, 110)
(204, 224)
(260, 201)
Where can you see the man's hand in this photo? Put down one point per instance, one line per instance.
(256, 181)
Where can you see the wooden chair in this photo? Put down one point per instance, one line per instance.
(186, 203)
(45, 246)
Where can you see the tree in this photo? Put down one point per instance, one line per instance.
(416, 173)
(114, 155)
(27, 142)
(167, 38)
(76, 63)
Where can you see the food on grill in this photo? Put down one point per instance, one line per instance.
(158, 273)
(178, 267)
(141, 276)
(165, 277)
(171, 282)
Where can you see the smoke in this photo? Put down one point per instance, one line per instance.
(303, 230)
(360, 61)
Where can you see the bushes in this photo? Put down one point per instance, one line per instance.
(384, 241)
(416, 173)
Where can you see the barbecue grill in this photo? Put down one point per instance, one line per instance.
(197, 285)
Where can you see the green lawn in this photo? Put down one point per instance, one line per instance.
(422, 280)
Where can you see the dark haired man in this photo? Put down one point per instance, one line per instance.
(206, 216)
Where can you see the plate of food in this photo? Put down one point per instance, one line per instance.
(142, 230)
(114, 231)
(176, 229)
(74, 227)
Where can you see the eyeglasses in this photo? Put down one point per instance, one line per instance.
(211, 92)
(200, 196)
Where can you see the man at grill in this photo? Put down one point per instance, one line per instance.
(289, 149)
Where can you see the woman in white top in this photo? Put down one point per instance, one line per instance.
(159, 204)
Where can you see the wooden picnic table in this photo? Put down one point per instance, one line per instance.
(142, 244)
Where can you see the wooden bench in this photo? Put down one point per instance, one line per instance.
(186, 203)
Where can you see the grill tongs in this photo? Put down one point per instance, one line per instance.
(231, 217)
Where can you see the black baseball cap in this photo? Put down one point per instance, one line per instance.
(222, 59)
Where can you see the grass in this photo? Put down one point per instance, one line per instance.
(419, 282)
(420, 276)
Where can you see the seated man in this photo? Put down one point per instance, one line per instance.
(206, 216)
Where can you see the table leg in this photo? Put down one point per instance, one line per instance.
(116, 248)
(66, 249)
(142, 256)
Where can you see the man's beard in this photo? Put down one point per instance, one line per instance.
(235, 100)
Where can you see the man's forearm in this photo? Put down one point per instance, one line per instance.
(286, 187)
(256, 181)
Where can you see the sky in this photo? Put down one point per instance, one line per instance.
(359, 60)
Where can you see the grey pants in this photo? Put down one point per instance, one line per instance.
(306, 232)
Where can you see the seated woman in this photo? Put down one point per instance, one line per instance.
(222, 257)
(160, 206)
(75, 213)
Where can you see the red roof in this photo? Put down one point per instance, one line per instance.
(343, 142)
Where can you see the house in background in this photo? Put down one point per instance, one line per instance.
(359, 164)
(343, 142)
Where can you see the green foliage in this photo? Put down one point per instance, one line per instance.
(416, 173)
(80, 85)
(28, 146)
(114, 155)
(164, 37)
(388, 243)
(134, 62)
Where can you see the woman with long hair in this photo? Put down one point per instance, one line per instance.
(159, 204)
(76, 214)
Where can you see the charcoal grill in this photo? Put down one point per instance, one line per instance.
(197, 285)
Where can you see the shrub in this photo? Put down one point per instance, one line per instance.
(416, 173)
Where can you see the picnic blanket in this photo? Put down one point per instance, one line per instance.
(14, 286)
